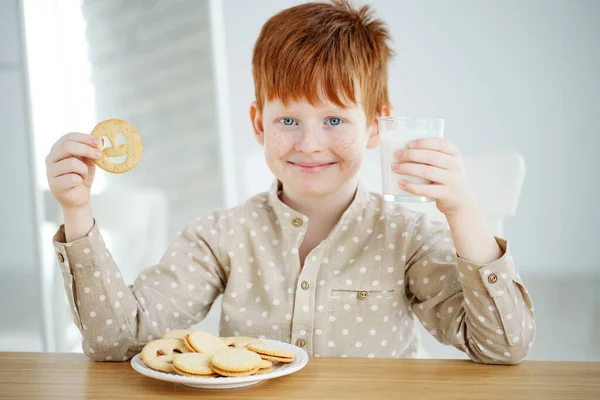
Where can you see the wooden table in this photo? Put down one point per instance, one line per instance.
(74, 376)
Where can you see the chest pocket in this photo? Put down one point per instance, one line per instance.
(363, 301)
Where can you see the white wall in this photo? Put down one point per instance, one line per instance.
(505, 75)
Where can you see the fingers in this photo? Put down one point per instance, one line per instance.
(74, 144)
(69, 165)
(432, 191)
(431, 173)
(67, 181)
(81, 138)
(438, 144)
(429, 157)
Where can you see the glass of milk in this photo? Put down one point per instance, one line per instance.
(395, 133)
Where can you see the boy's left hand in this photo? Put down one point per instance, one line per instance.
(439, 161)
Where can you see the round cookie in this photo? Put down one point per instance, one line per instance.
(176, 334)
(194, 365)
(271, 353)
(188, 345)
(231, 374)
(276, 359)
(265, 366)
(240, 342)
(204, 342)
(133, 148)
(159, 354)
(235, 362)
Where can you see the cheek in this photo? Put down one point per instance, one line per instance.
(349, 148)
(278, 144)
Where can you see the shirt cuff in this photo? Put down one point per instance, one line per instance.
(493, 277)
(79, 253)
(76, 259)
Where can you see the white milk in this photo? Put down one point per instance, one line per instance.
(390, 142)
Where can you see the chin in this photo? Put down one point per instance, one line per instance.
(311, 186)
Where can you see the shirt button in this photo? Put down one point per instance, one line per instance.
(300, 342)
(493, 278)
(305, 285)
(297, 222)
(363, 294)
(61, 258)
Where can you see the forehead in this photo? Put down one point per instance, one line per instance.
(303, 104)
(319, 97)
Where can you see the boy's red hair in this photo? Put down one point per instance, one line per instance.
(323, 49)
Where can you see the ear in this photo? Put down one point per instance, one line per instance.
(374, 128)
(257, 124)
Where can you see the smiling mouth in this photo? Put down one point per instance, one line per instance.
(311, 167)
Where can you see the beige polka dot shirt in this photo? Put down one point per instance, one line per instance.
(359, 293)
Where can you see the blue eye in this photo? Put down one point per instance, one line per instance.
(334, 121)
(287, 121)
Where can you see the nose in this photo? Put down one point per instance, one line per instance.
(309, 141)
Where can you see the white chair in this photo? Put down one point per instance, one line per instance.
(496, 180)
(133, 222)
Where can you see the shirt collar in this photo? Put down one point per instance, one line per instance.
(292, 219)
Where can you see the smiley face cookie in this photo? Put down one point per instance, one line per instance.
(159, 354)
(177, 334)
(110, 130)
(240, 342)
(203, 342)
(270, 353)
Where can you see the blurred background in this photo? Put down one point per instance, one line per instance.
(518, 83)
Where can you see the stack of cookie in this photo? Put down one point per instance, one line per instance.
(202, 354)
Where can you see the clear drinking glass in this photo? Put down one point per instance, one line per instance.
(395, 133)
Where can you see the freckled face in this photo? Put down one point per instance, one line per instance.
(314, 151)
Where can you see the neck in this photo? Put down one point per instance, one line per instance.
(326, 210)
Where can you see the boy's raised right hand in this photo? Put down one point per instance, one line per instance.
(70, 170)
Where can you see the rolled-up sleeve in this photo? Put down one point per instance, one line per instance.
(483, 310)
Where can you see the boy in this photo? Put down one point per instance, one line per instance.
(317, 261)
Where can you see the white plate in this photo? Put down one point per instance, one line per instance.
(279, 369)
